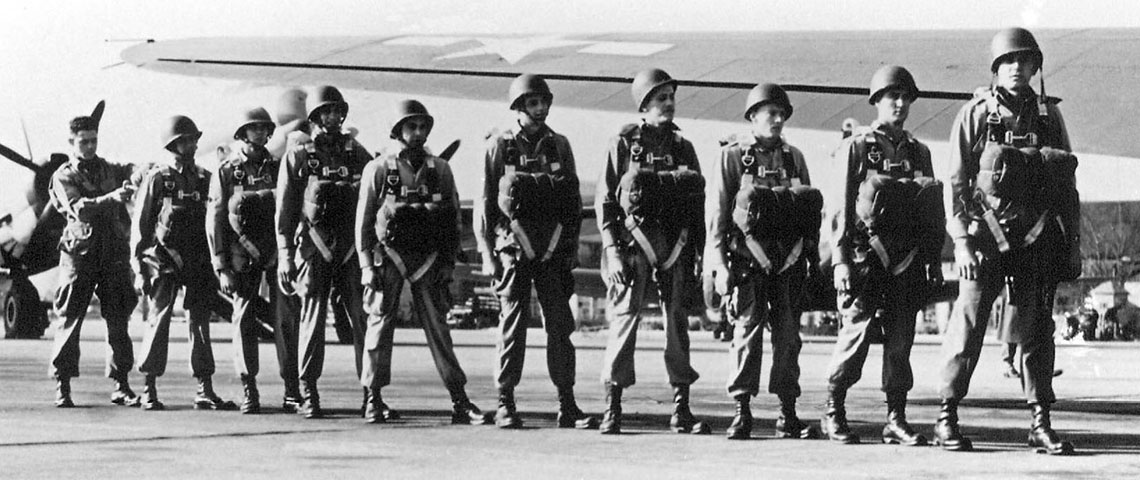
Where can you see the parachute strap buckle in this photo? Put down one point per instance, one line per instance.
(1029, 139)
(994, 117)
(239, 174)
(660, 159)
(525, 160)
(875, 153)
(194, 195)
(748, 160)
(341, 171)
(255, 179)
(636, 150)
(903, 164)
(773, 173)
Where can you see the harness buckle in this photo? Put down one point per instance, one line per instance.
(747, 160)
(525, 160)
(662, 159)
(421, 190)
(1029, 139)
(904, 164)
(773, 173)
(194, 195)
(341, 171)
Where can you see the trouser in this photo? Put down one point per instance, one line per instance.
(878, 306)
(766, 299)
(624, 315)
(318, 282)
(430, 304)
(201, 285)
(78, 282)
(246, 300)
(1029, 324)
(554, 283)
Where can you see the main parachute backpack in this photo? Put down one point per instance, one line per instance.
(251, 217)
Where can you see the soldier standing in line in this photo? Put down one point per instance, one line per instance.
(239, 227)
(649, 204)
(1015, 227)
(316, 192)
(92, 193)
(528, 223)
(763, 229)
(407, 228)
(886, 252)
(170, 251)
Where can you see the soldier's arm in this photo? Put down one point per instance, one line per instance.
(67, 197)
(142, 225)
(697, 238)
(486, 211)
(451, 193)
(569, 167)
(718, 210)
(841, 249)
(606, 206)
(963, 168)
(289, 192)
(367, 205)
(217, 223)
(1061, 133)
(801, 166)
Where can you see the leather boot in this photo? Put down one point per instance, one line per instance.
(569, 415)
(311, 405)
(375, 410)
(123, 395)
(897, 430)
(251, 398)
(741, 428)
(63, 393)
(611, 419)
(150, 399)
(1042, 438)
(834, 422)
(789, 424)
(683, 420)
(946, 431)
(206, 399)
(291, 401)
(465, 412)
(506, 416)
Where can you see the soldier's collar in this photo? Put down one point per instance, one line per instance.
(664, 127)
(543, 131)
(408, 153)
(754, 141)
(86, 163)
(895, 134)
(1023, 98)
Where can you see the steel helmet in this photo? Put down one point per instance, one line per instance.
(892, 76)
(1010, 41)
(767, 93)
(527, 84)
(646, 82)
(406, 110)
(326, 95)
(254, 116)
(177, 127)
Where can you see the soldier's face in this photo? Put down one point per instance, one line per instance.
(185, 147)
(257, 134)
(768, 120)
(332, 118)
(893, 106)
(85, 142)
(414, 131)
(661, 105)
(1016, 70)
(535, 110)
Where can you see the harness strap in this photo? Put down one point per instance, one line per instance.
(794, 255)
(524, 240)
(996, 231)
(1037, 228)
(402, 267)
(682, 239)
(319, 242)
(554, 239)
(641, 239)
(758, 252)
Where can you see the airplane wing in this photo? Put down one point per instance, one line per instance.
(1095, 71)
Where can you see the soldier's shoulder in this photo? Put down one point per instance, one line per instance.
(737, 141)
(629, 130)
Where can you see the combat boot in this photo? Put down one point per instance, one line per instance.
(897, 430)
(311, 405)
(683, 420)
(150, 399)
(206, 399)
(741, 428)
(1042, 438)
(375, 410)
(465, 412)
(123, 395)
(251, 398)
(834, 421)
(63, 393)
(506, 416)
(946, 431)
(611, 418)
(291, 401)
(1011, 371)
(569, 415)
(789, 424)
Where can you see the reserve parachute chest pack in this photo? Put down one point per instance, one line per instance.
(77, 235)
(541, 203)
(416, 220)
(251, 211)
(330, 195)
(182, 218)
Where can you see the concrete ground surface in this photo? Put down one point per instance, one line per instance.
(1099, 411)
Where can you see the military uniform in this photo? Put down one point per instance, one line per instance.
(242, 238)
(762, 294)
(537, 256)
(94, 260)
(317, 188)
(168, 242)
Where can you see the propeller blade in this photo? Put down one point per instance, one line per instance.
(17, 158)
(448, 152)
(97, 113)
(27, 143)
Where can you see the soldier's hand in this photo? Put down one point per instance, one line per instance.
(492, 266)
(286, 273)
(720, 280)
(226, 281)
(615, 268)
(370, 277)
(142, 283)
(842, 277)
(126, 192)
(966, 260)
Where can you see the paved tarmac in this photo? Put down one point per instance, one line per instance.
(1099, 411)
